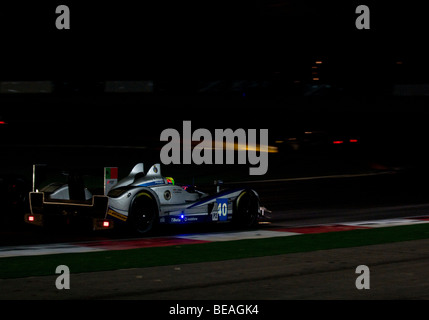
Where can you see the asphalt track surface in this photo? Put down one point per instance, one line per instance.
(398, 270)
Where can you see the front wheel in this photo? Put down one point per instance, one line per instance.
(246, 209)
(143, 213)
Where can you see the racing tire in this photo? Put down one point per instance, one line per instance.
(143, 213)
(246, 209)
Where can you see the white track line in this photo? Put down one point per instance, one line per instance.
(42, 249)
(243, 235)
(58, 248)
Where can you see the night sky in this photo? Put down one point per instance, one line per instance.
(241, 65)
(212, 40)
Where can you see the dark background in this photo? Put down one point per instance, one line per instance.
(241, 64)
(221, 64)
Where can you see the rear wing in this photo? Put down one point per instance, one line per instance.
(110, 177)
(73, 202)
(96, 207)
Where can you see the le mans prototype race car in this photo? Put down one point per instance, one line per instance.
(141, 201)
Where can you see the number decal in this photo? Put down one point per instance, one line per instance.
(215, 215)
(222, 209)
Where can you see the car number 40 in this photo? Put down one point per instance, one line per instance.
(221, 213)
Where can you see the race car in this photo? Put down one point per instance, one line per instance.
(143, 200)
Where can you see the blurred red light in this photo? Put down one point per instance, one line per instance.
(353, 140)
(30, 218)
(337, 141)
(106, 224)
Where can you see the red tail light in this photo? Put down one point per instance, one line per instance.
(34, 219)
(103, 224)
(337, 141)
(353, 140)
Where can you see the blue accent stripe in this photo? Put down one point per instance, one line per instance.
(213, 197)
(151, 183)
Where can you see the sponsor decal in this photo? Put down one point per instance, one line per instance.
(183, 219)
(110, 178)
(167, 195)
(117, 215)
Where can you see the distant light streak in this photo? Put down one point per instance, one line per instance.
(235, 146)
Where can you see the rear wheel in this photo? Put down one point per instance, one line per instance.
(246, 209)
(143, 213)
